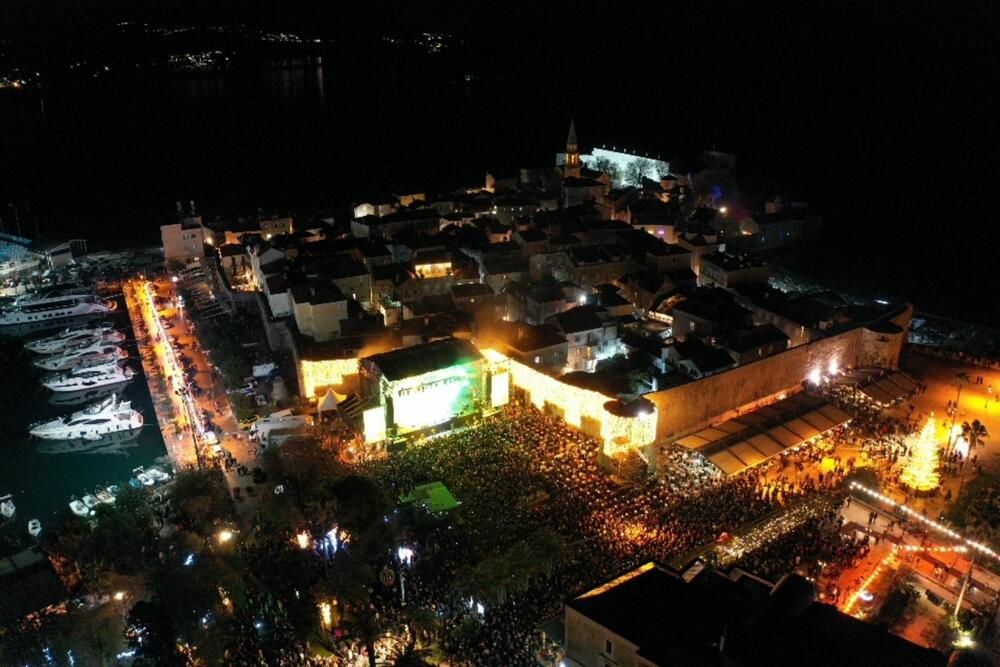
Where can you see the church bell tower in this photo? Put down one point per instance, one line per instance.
(571, 167)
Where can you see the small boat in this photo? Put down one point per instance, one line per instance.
(90, 501)
(145, 479)
(114, 490)
(157, 475)
(134, 482)
(7, 507)
(79, 508)
(34, 527)
(104, 498)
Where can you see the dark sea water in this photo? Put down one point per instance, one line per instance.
(42, 483)
(903, 187)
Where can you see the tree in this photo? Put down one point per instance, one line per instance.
(123, 534)
(361, 501)
(153, 635)
(961, 379)
(637, 170)
(187, 593)
(606, 166)
(921, 470)
(99, 631)
(974, 432)
(202, 500)
(242, 405)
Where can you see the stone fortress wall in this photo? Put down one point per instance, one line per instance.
(695, 405)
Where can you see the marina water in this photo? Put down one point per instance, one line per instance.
(42, 483)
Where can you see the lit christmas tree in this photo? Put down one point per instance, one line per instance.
(921, 471)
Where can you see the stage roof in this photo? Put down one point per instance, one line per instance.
(878, 385)
(419, 359)
(753, 438)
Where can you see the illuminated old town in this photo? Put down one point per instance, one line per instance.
(332, 341)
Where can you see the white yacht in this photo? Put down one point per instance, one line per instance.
(50, 311)
(111, 443)
(7, 508)
(34, 528)
(90, 379)
(58, 342)
(93, 422)
(90, 501)
(101, 353)
(82, 397)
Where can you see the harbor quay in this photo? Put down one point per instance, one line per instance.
(163, 375)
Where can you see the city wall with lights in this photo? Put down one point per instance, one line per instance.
(581, 408)
(319, 375)
(688, 407)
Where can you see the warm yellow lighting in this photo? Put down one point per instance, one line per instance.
(374, 424)
(921, 471)
(120, 595)
(224, 535)
(326, 614)
(303, 540)
(619, 433)
(326, 373)
(500, 390)
(433, 270)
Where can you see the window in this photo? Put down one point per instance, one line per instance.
(609, 648)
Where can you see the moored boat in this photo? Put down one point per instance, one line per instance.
(54, 310)
(93, 422)
(93, 378)
(7, 507)
(58, 342)
(96, 354)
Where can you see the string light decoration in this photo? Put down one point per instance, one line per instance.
(619, 433)
(921, 471)
(886, 562)
(325, 373)
(913, 514)
(759, 536)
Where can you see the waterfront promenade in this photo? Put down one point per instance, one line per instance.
(158, 363)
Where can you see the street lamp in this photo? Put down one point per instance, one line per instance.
(303, 540)
(405, 555)
(224, 535)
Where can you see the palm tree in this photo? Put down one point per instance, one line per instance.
(961, 379)
(345, 581)
(975, 432)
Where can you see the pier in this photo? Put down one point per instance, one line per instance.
(173, 411)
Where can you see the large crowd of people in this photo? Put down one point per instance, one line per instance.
(522, 469)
